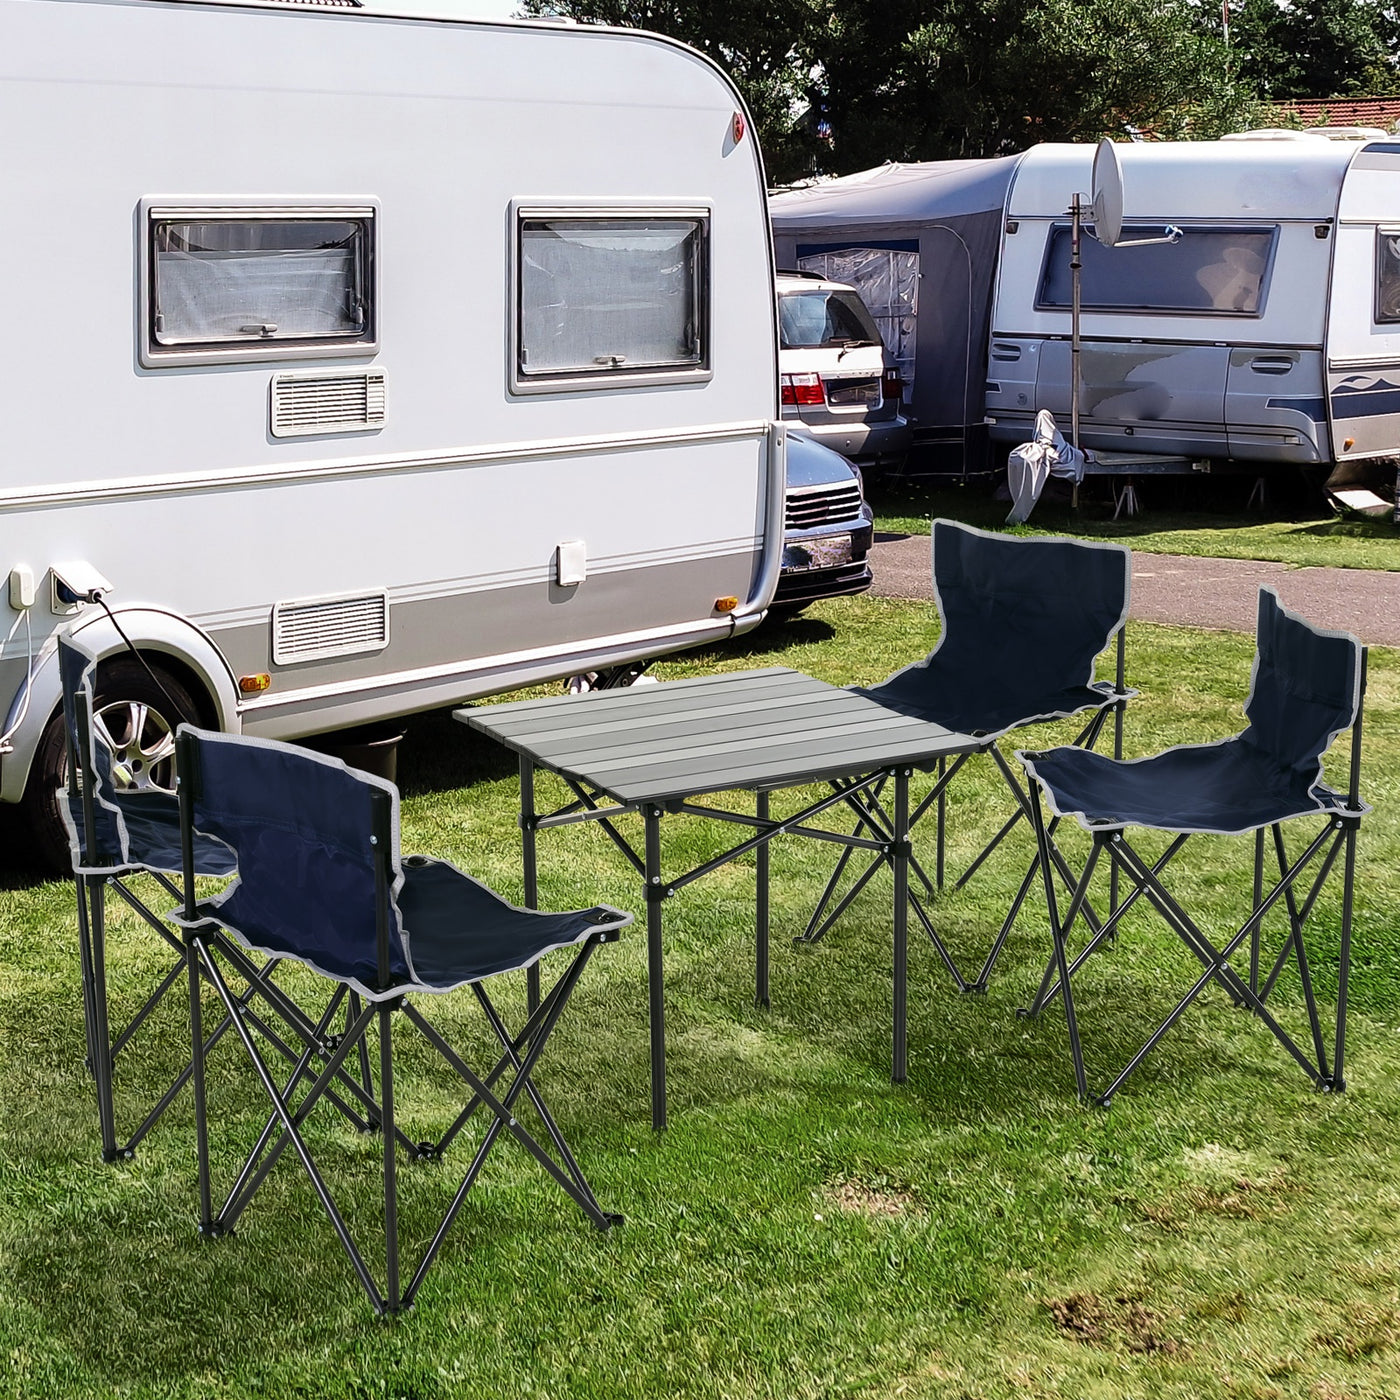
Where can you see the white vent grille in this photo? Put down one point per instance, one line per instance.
(327, 403)
(313, 629)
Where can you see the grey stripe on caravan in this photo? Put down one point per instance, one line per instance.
(711, 627)
(433, 589)
(181, 483)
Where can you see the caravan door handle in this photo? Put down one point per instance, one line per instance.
(1272, 364)
(1002, 351)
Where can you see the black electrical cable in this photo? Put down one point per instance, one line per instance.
(177, 709)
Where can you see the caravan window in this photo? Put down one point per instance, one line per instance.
(1210, 272)
(608, 295)
(1387, 275)
(259, 280)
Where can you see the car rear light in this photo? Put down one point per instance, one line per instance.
(894, 385)
(802, 390)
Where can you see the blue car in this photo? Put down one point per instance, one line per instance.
(829, 528)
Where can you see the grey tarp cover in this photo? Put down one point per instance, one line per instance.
(301, 824)
(950, 212)
(1306, 690)
(1033, 463)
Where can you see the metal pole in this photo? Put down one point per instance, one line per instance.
(900, 852)
(1075, 216)
(655, 985)
(761, 955)
(531, 866)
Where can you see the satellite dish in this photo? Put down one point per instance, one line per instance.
(1108, 194)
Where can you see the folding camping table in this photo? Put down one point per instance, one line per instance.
(653, 749)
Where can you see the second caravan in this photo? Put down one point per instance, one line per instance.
(1268, 336)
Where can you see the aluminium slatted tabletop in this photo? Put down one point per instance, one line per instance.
(652, 748)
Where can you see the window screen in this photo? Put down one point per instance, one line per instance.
(811, 320)
(1210, 272)
(611, 294)
(1387, 274)
(888, 282)
(249, 279)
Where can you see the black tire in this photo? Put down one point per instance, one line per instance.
(125, 696)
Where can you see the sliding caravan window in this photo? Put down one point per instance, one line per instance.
(1387, 275)
(1209, 272)
(609, 298)
(234, 284)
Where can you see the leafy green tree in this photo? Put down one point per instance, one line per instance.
(987, 77)
(840, 85)
(1316, 48)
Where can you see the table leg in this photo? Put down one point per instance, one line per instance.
(901, 925)
(655, 980)
(761, 962)
(531, 867)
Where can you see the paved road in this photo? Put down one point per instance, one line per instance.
(1200, 592)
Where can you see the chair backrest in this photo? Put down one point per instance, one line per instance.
(1305, 688)
(317, 848)
(97, 835)
(1020, 617)
(112, 831)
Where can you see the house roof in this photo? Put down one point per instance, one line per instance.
(1382, 112)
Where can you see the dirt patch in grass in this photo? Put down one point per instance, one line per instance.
(1244, 1198)
(1122, 1322)
(878, 1199)
(1367, 1332)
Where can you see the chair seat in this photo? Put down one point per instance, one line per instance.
(438, 904)
(1227, 788)
(959, 703)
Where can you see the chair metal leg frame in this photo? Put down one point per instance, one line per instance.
(871, 815)
(259, 983)
(1049, 984)
(1336, 835)
(1086, 739)
(541, 1023)
(317, 1042)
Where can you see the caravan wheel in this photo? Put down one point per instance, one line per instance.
(137, 719)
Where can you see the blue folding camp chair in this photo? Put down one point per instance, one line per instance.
(1023, 622)
(1306, 689)
(116, 832)
(320, 879)
(123, 821)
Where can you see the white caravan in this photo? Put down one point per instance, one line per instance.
(1269, 333)
(364, 364)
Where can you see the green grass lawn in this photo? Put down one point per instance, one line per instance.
(1191, 517)
(804, 1228)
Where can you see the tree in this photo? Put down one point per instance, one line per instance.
(840, 85)
(987, 77)
(1317, 48)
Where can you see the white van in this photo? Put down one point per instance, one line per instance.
(363, 364)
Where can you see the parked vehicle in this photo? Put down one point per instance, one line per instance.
(839, 383)
(369, 364)
(1267, 335)
(829, 528)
